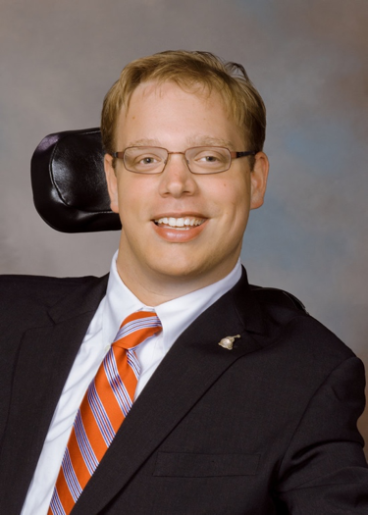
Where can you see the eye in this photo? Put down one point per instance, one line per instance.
(148, 160)
(211, 157)
(144, 161)
(207, 157)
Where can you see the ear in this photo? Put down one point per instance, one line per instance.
(112, 183)
(258, 180)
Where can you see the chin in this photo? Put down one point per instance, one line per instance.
(175, 270)
(183, 267)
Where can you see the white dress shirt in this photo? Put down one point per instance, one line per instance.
(119, 302)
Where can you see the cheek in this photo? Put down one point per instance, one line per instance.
(133, 197)
(234, 198)
(237, 214)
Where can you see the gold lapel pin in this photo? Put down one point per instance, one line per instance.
(228, 342)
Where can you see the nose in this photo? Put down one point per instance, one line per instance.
(176, 179)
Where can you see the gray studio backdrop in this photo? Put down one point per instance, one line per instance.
(308, 59)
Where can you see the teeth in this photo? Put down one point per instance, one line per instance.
(179, 222)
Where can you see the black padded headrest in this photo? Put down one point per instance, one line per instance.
(68, 182)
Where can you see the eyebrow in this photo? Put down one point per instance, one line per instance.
(144, 142)
(195, 141)
(201, 140)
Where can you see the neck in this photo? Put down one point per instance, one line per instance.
(153, 288)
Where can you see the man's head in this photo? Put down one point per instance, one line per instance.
(191, 71)
(182, 228)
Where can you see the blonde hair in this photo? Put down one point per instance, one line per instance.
(189, 69)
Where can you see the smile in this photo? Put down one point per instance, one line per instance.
(179, 223)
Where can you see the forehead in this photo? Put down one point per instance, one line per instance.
(167, 111)
(154, 91)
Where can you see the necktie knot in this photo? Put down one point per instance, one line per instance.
(136, 328)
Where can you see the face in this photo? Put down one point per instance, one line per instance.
(179, 227)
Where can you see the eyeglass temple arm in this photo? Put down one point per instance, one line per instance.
(235, 155)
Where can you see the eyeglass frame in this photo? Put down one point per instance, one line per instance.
(233, 155)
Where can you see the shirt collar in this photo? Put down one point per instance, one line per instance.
(175, 315)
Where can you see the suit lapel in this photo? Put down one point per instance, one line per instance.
(190, 368)
(41, 371)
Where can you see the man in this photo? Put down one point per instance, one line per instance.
(243, 404)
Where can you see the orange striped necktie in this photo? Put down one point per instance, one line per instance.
(104, 407)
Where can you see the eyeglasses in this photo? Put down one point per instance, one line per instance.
(200, 160)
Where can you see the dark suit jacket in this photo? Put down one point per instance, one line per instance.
(266, 428)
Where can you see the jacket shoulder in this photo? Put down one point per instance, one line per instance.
(278, 298)
(289, 323)
(36, 289)
(25, 299)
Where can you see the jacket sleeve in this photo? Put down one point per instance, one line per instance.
(324, 470)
